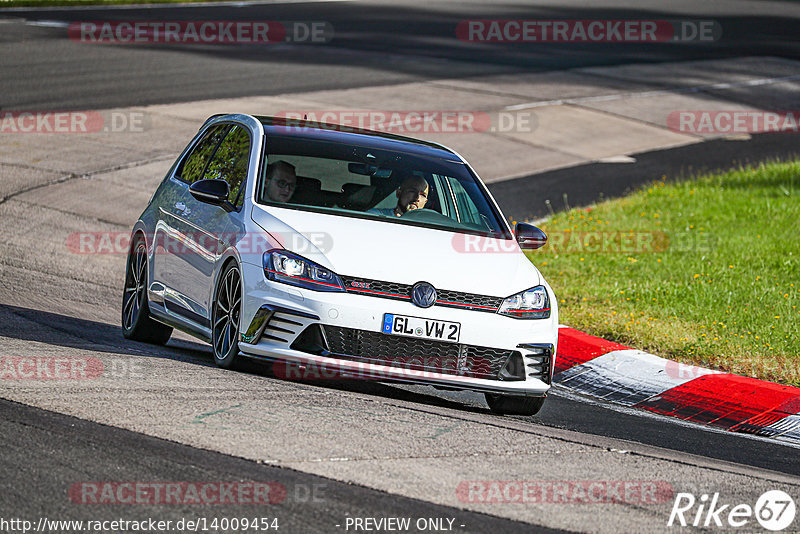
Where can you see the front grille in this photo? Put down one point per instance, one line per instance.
(418, 354)
(469, 300)
(446, 298)
(377, 288)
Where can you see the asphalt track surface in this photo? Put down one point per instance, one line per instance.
(527, 198)
(584, 417)
(44, 451)
(312, 504)
(375, 43)
(382, 43)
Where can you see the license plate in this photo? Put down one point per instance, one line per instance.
(404, 325)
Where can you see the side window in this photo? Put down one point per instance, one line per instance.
(230, 162)
(195, 163)
(467, 211)
(445, 198)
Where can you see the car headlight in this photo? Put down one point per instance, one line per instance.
(531, 304)
(288, 268)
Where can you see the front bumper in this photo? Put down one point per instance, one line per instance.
(276, 316)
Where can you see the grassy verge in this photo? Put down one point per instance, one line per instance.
(705, 271)
(61, 3)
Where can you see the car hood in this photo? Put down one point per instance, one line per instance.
(401, 253)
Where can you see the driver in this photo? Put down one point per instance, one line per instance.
(281, 181)
(411, 195)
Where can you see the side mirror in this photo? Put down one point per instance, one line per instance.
(529, 237)
(213, 192)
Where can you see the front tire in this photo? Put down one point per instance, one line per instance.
(136, 321)
(514, 405)
(225, 318)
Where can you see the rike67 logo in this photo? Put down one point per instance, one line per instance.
(774, 510)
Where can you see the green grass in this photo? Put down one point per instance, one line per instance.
(58, 3)
(714, 279)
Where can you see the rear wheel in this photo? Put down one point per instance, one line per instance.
(136, 321)
(514, 405)
(225, 318)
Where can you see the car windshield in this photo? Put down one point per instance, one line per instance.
(385, 185)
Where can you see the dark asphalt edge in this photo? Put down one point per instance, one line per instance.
(612, 440)
(524, 198)
(586, 419)
(382, 503)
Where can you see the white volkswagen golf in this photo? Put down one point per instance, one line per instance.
(359, 253)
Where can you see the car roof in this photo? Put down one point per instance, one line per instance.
(303, 129)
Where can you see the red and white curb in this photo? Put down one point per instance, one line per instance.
(621, 375)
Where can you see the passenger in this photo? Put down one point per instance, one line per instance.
(281, 181)
(411, 195)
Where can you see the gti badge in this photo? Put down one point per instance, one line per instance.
(423, 294)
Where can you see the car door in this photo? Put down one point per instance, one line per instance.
(213, 228)
(178, 263)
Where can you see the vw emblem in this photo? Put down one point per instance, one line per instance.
(423, 294)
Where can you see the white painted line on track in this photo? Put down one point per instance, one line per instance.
(627, 376)
(786, 429)
(647, 94)
(48, 23)
(617, 159)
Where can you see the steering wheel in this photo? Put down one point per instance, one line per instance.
(428, 216)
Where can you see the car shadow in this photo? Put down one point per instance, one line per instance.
(390, 390)
(28, 324)
(38, 326)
